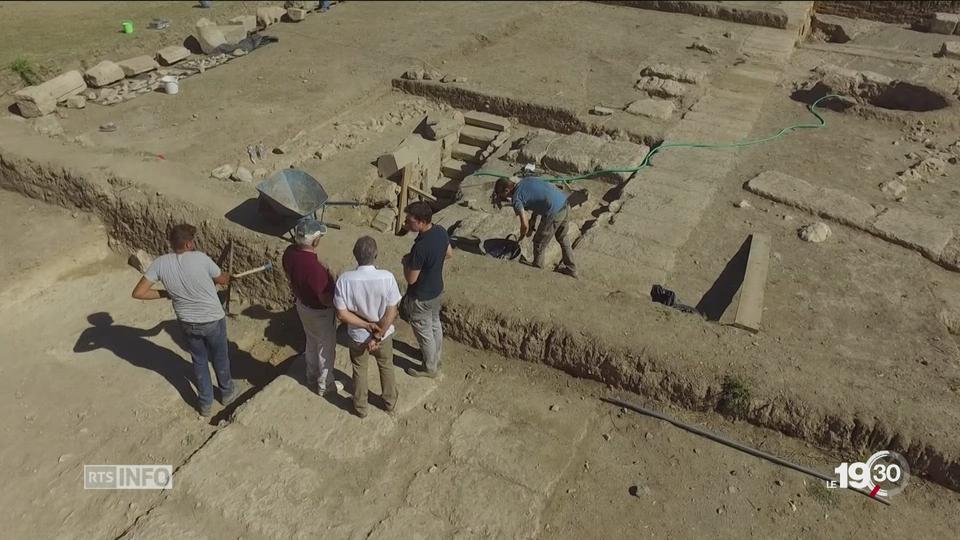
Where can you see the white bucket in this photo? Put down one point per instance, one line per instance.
(170, 85)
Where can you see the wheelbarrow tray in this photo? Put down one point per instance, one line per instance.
(292, 193)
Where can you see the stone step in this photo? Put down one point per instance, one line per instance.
(456, 169)
(486, 120)
(477, 136)
(467, 152)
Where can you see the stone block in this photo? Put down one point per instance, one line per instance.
(248, 22)
(600, 110)
(439, 125)
(209, 38)
(893, 188)
(104, 73)
(536, 145)
(661, 87)
(203, 21)
(412, 150)
(242, 174)
(76, 102)
(42, 99)
(652, 108)
(222, 172)
(926, 234)
(477, 136)
(943, 23)
(486, 120)
(466, 152)
(410, 524)
(632, 251)
(296, 14)
(163, 523)
(172, 54)
(826, 202)
(385, 220)
(137, 65)
(270, 15)
(575, 153)
(481, 504)
(233, 33)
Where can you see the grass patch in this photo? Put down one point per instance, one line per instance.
(734, 397)
(25, 69)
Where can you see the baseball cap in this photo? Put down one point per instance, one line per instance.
(307, 230)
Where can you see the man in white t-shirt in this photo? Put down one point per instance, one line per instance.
(366, 300)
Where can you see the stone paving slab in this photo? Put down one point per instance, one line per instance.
(616, 273)
(614, 244)
(297, 416)
(410, 524)
(826, 202)
(162, 523)
(478, 503)
(926, 234)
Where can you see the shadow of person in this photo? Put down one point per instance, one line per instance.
(243, 366)
(132, 345)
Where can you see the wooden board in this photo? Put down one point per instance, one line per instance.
(404, 183)
(750, 307)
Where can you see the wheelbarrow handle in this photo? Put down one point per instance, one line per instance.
(332, 226)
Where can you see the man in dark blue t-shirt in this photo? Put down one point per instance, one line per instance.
(542, 199)
(423, 270)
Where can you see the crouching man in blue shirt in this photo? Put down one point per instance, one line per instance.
(544, 201)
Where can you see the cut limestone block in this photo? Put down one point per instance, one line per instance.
(137, 65)
(412, 150)
(42, 99)
(209, 37)
(675, 73)
(172, 54)
(296, 14)
(233, 33)
(652, 108)
(104, 73)
(467, 152)
(750, 306)
(943, 23)
(453, 168)
(248, 22)
(477, 136)
(921, 232)
(486, 120)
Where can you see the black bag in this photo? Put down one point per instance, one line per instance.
(662, 295)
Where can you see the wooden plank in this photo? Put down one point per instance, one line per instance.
(422, 193)
(404, 184)
(750, 307)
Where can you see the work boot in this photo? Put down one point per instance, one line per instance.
(414, 372)
(392, 409)
(205, 411)
(228, 398)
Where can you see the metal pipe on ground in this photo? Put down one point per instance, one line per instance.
(734, 444)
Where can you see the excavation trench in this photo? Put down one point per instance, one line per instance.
(479, 316)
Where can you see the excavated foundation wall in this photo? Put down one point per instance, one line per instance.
(898, 12)
(650, 368)
(531, 114)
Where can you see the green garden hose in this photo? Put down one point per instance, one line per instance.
(646, 160)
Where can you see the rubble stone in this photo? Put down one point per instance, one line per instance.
(242, 175)
(414, 74)
(601, 111)
(675, 73)
(652, 108)
(104, 73)
(172, 54)
(703, 47)
(270, 15)
(433, 75)
(815, 232)
(222, 172)
(893, 188)
(137, 65)
(76, 102)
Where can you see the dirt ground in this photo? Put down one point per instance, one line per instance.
(498, 448)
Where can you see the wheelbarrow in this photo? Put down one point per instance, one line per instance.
(290, 195)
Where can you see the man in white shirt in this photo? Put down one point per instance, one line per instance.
(366, 300)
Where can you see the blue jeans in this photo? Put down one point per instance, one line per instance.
(208, 341)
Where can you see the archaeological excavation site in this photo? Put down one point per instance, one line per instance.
(701, 278)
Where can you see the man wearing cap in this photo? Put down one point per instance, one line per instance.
(312, 286)
(189, 278)
(544, 201)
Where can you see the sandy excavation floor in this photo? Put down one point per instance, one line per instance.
(499, 448)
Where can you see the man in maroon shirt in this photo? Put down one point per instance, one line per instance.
(312, 285)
